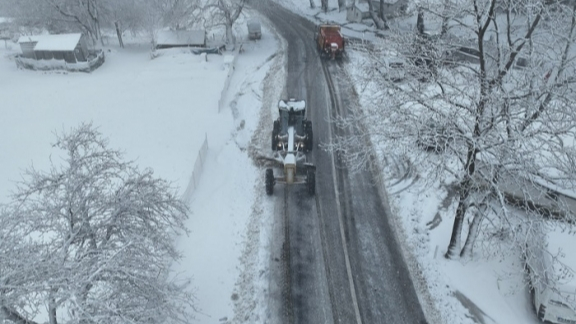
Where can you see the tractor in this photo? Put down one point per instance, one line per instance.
(292, 138)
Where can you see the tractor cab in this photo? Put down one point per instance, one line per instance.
(292, 124)
(292, 113)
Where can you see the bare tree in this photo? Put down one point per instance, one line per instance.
(104, 233)
(175, 14)
(85, 14)
(225, 12)
(123, 15)
(38, 15)
(486, 108)
(377, 16)
(91, 16)
(62, 15)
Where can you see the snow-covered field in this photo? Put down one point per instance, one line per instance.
(160, 111)
(149, 108)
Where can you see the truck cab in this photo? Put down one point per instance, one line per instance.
(329, 41)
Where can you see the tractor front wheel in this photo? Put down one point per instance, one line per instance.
(274, 142)
(270, 182)
(275, 132)
(309, 136)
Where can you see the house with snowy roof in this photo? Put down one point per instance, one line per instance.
(72, 48)
(180, 38)
(357, 12)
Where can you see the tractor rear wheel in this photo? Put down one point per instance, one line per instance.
(311, 181)
(269, 182)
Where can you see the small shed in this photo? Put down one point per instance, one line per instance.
(181, 38)
(357, 12)
(27, 44)
(71, 48)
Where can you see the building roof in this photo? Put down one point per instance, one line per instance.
(253, 24)
(181, 37)
(29, 39)
(61, 42)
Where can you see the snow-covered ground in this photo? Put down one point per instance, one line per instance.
(160, 111)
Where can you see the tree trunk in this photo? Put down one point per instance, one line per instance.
(52, 308)
(455, 239)
(99, 33)
(312, 5)
(324, 5)
(473, 233)
(420, 22)
(341, 5)
(463, 195)
(380, 23)
(119, 34)
(444, 28)
(445, 17)
(230, 38)
(381, 10)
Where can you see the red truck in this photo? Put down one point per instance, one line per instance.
(330, 41)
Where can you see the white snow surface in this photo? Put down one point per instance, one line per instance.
(160, 111)
(292, 104)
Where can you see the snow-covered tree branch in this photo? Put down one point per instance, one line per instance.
(225, 12)
(485, 107)
(102, 234)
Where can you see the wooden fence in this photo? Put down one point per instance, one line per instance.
(197, 172)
